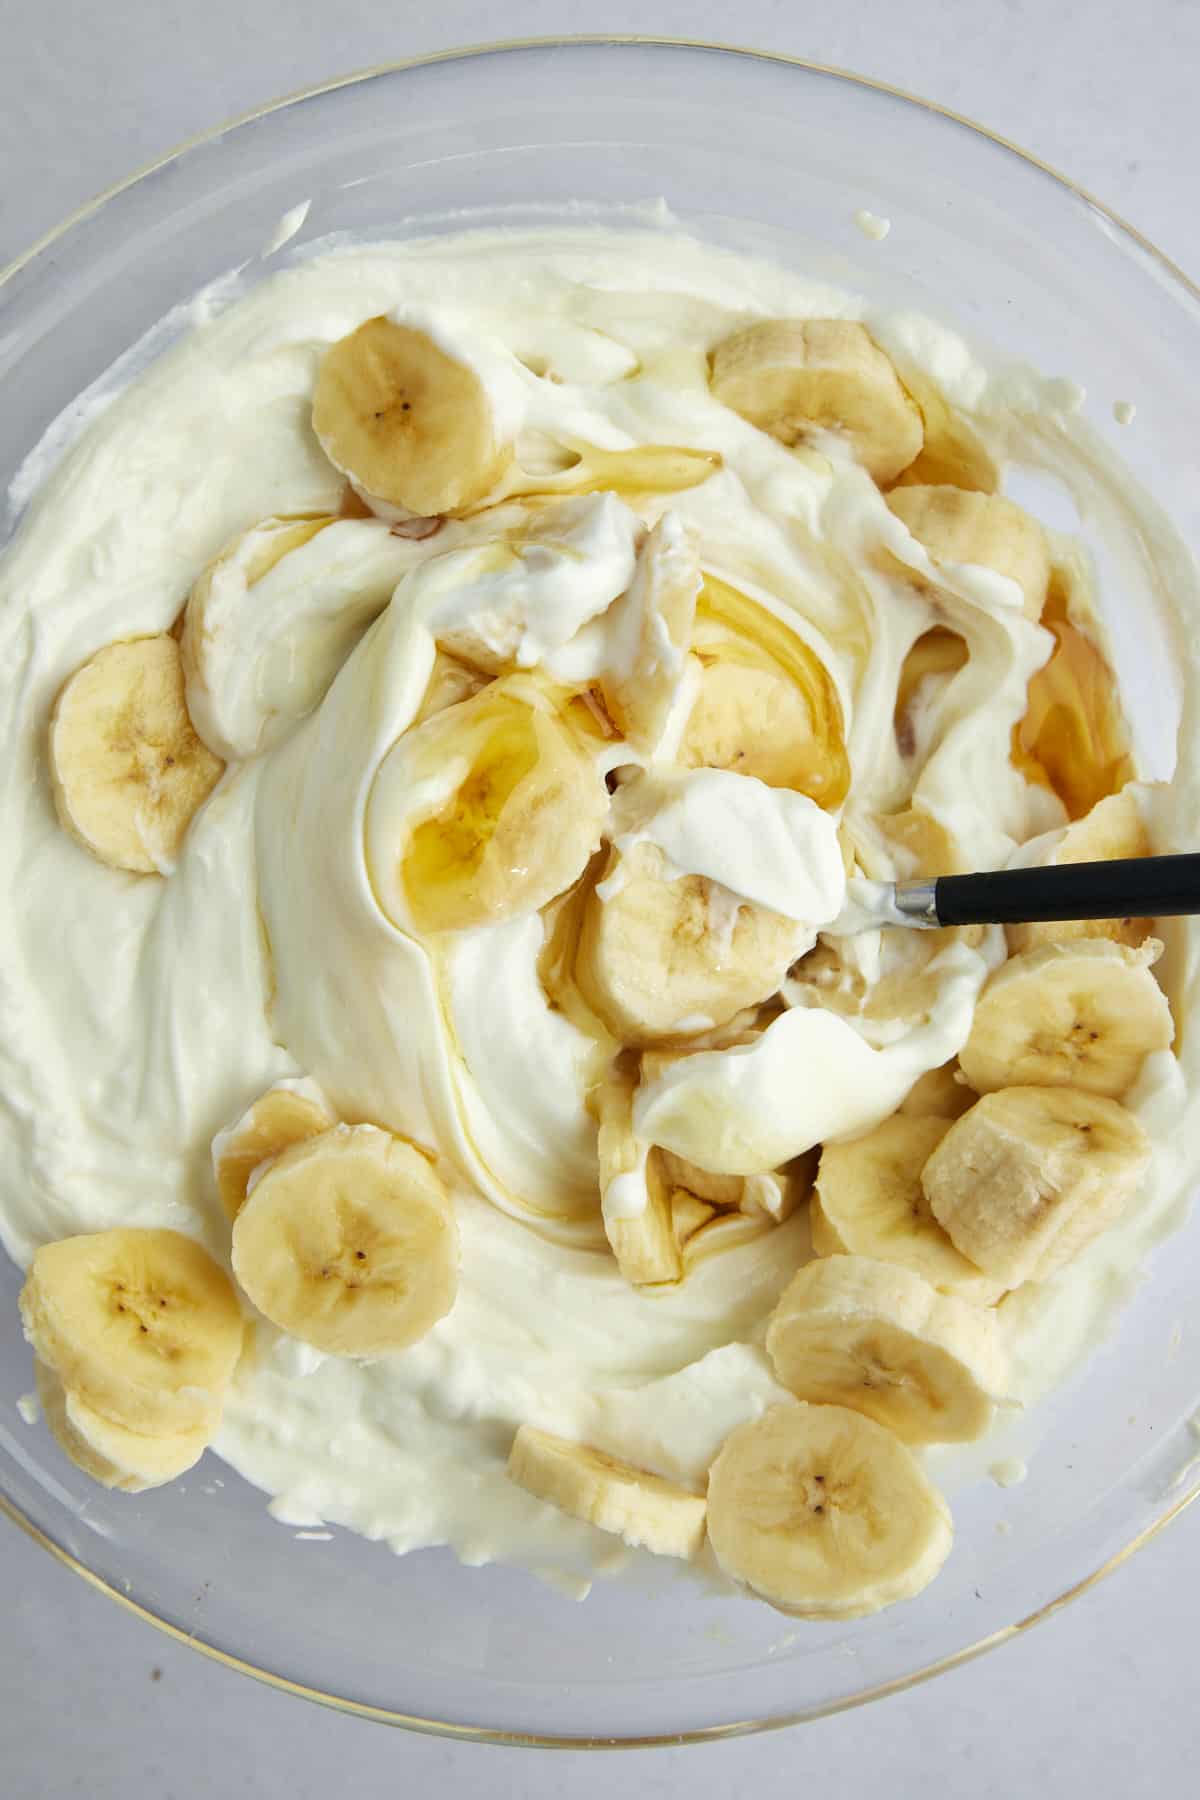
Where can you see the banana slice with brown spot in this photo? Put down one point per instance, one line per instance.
(412, 425)
(348, 1241)
(127, 768)
(141, 1325)
(824, 1513)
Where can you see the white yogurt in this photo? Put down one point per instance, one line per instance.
(139, 1016)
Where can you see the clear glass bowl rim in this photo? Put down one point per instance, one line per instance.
(443, 1728)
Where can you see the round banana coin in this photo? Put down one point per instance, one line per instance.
(825, 1513)
(409, 423)
(142, 1325)
(348, 1241)
(127, 768)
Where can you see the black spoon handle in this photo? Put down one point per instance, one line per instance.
(1132, 888)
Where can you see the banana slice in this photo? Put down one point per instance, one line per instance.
(792, 377)
(939, 1094)
(489, 809)
(348, 1241)
(141, 1326)
(130, 1461)
(450, 681)
(127, 768)
(1114, 828)
(851, 1331)
(1073, 739)
(660, 957)
(983, 529)
(952, 454)
(869, 1202)
(412, 425)
(635, 1197)
(286, 1114)
(651, 627)
(1084, 1014)
(689, 1214)
(825, 1513)
(273, 618)
(765, 703)
(1031, 1175)
(646, 1511)
(719, 1190)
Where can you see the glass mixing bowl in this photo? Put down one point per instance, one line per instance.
(773, 156)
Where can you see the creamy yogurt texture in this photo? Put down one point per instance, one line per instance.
(139, 1016)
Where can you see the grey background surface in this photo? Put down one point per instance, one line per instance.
(1100, 1701)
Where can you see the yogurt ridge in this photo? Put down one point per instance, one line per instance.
(138, 1017)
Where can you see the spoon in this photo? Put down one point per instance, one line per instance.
(1128, 888)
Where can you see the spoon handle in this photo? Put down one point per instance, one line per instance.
(1131, 888)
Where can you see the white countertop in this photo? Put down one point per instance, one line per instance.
(1100, 1700)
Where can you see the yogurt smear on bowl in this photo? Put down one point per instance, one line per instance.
(536, 799)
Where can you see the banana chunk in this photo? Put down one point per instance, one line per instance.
(1031, 1175)
(141, 1326)
(689, 1214)
(643, 1509)
(127, 768)
(651, 626)
(411, 425)
(130, 1461)
(635, 1196)
(489, 809)
(952, 454)
(851, 1331)
(824, 1513)
(957, 526)
(659, 954)
(286, 1114)
(349, 1242)
(1114, 828)
(792, 377)
(765, 704)
(869, 1202)
(719, 1190)
(1083, 1014)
